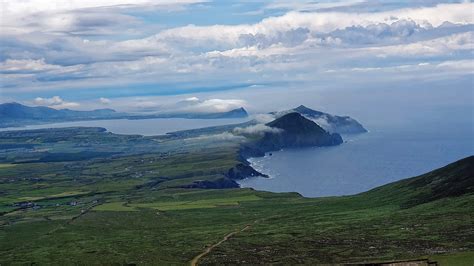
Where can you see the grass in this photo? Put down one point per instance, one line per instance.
(284, 229)
(68, 194)
(65, 194)
(197, 204)
(132, 208)
(458, 259)
(115, 206)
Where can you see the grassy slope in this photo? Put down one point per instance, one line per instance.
(382, 224)
(130, 211)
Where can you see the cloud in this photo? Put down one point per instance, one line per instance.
(446, 67)
(76, 16)
(264, 118)
(293, 27)
(192, 99)
(226, 136)
(55, 102)
(256, 130)
(219, 105)
(455, 43)
(78, 45)
(194, 104)
(38, 6)
(310, 5)
(174, 104)
(379, 33)
(26, 66)
(105, 101)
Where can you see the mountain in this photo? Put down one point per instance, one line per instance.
(15, 111)
(453, 180)
(99, 113)
(331, 123)
(235, 113)
(295, 131)
(15, 114)
(19, 111)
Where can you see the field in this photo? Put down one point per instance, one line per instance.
(141, 206)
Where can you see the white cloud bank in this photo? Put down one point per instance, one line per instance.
(55, 102)
(156, 104)
(195, 105)
(83, 44)
(294, 27)
(256, 130)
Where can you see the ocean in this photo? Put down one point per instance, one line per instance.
(145, 127)
(363, 161)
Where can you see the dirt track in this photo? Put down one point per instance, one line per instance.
(195, 260)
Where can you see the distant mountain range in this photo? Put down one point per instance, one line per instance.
(16, 111)
(331, 123)
(15, 114)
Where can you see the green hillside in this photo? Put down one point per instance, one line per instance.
(451, 181)
(408, 219)
(142, 205)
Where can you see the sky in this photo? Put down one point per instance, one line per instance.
(146, 56)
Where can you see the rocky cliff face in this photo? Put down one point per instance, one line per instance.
(242, 171)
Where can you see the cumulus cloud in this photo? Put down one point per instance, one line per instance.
(55, 102)
(294, 27)
(256, 130)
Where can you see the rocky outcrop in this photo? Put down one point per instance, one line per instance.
(242, 171)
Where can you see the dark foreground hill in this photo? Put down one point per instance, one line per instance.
(453, 180)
